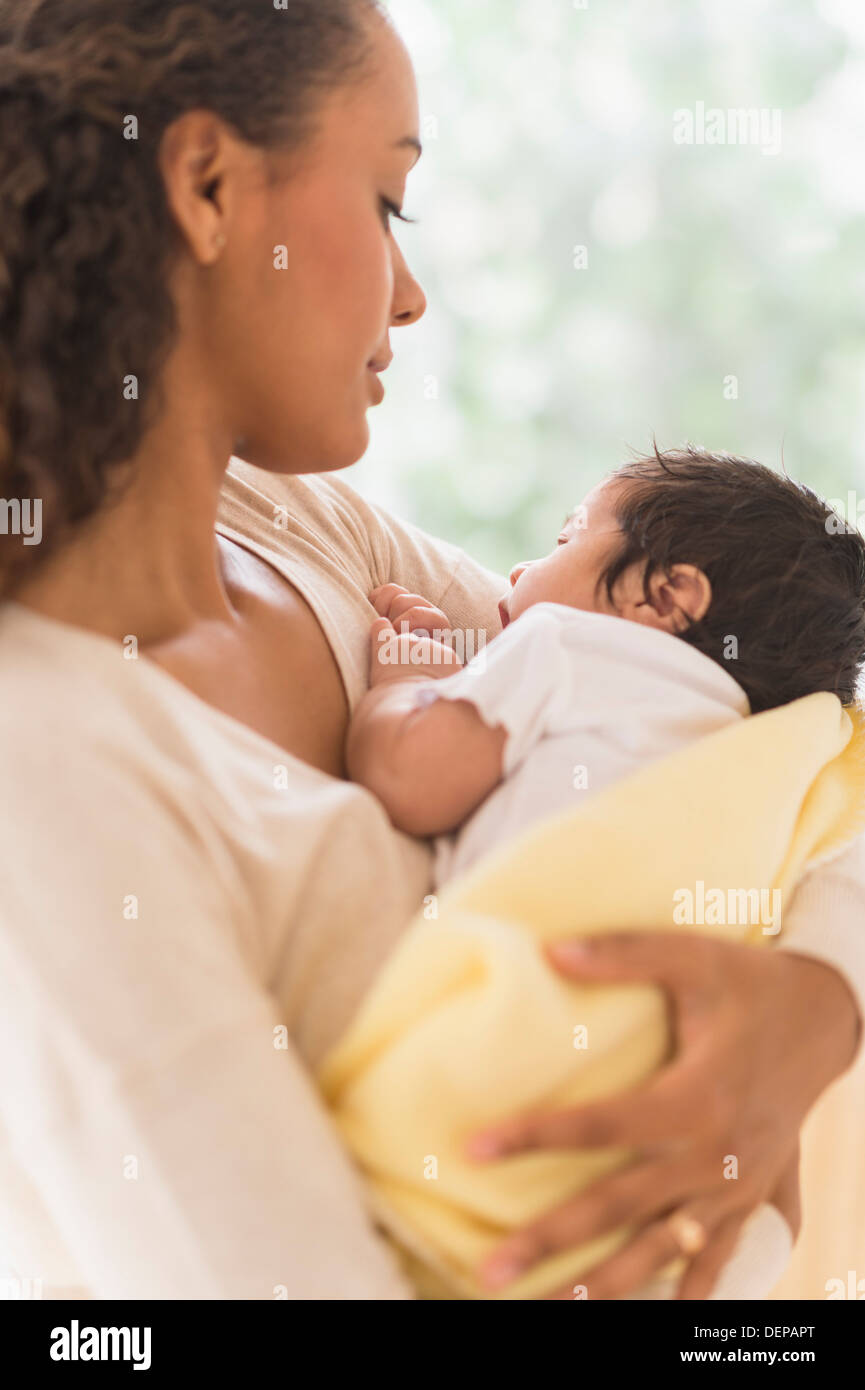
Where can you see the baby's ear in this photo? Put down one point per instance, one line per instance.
(680, 597)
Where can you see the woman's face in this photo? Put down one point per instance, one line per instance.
(311, 279)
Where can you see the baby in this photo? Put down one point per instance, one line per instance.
(688, 590)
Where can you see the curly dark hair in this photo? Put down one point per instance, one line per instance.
(86, 235)
(787, 573)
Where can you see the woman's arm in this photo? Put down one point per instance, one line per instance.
(826, 922)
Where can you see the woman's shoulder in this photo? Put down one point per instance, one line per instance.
(328, 508)
(321, 521)
(83, 743)
(50, 672)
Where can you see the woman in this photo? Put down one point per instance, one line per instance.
(198, 261)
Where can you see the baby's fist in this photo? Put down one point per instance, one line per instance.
(407, 611)
(398, 656)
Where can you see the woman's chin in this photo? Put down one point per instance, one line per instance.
(328, 455)
(348, 449)
(345, 442)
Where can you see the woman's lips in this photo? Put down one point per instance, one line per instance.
(503, 612)
(376, 383)
(375, 366)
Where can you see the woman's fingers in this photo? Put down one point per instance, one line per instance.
(701, 1275)
(662, 1109)
(629, 1268)
(673, 960)
(648, 1253)
(675, 1104)
(694, 971)
(600, 1125)
(633, 1197)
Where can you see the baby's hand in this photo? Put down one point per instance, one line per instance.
(407, 611)
(398, 656)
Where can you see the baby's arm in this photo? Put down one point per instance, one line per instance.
(430, 764)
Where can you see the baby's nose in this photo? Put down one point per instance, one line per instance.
(517, 571)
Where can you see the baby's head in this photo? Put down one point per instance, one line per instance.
(713, 548)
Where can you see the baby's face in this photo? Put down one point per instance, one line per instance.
(571, 573)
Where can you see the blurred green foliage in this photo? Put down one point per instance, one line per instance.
(548, 126)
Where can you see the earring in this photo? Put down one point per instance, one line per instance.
(219, 241)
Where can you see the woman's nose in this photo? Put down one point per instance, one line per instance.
(409, 300)
(517, 571)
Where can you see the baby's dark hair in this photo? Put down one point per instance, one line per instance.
(787, 573)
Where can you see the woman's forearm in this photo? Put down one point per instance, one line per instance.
(826, 924)
(829, 1010)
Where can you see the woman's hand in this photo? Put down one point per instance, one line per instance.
(757, 1035)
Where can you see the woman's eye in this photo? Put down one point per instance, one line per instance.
(390, 210)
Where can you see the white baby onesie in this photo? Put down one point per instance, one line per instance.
(585, 699)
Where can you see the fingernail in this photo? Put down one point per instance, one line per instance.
(483, 1146)
(571, 952)
(501, 1270)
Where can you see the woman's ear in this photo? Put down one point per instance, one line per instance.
(677, 598)
(194, 158)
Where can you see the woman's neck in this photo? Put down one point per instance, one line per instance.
(149, 563)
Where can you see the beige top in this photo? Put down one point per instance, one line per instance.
(189, 916)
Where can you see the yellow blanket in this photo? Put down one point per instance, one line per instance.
(468, 1024)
